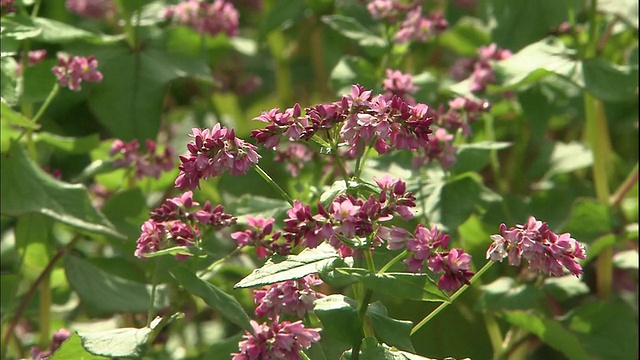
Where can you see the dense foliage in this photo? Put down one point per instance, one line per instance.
(319, 179)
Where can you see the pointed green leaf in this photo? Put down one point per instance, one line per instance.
(226, 304)
(51, 31)
(503, 293)
(565, 287)
(626, 259)
(26, 188)
(589, 219)
(105, 293)
(352, 29)
(391, 331)
(403, 285)
(551, 332)
(291, 267)
(117, 343)
(339, 316)
(15, 118)
(474, 157)
(73, 145)
(351, 70)
(72, 349)
(8, 83)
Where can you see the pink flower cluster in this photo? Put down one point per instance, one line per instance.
(259, 235)
(401, 85)
(33, 57)
(213, 152)
(440, 149)
(295, 155)
(479, 68)
(544, 250)
(348, 221)
(71, 71)
(417, 27)
(280, 340)
(60, 336)
(92, 8)
(175, 223)
(293, 297)
(430, 246)
(362, 118)
(7, 7)
(206, 18)
(146, 163)
(462, 111)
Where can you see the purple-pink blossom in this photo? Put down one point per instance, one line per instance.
(401, 85)
(293, 297)
(417, 27)
(212, 153)
(544, 250)
(213, 18)
(258, 234)
(7, 7)
(480, 69)
(71, 71)
(59, 336)
(92, 8)
(278, 340)
(148, 162)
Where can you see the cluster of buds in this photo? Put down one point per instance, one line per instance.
(417, 27)
(176, 223)
(362, 119)
(58, 338)
(544, 250)
(206, 18)
(33, 57)
(258, 234)
(440, 149)
(212, 153)
(293, 297)
(295, 155)
(479, 68)
(146, 163)
(279, 340)
(72, 70)
(431, 246)
(462, 112)
(7, 7)
(348, 222)
(96, 9)
(401, 85)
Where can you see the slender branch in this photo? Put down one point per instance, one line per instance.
(391, 262)
(624, 189)
(453, 297)
(269, 180)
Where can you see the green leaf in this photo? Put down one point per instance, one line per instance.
(450, 204)
(372, 350)
(503, 293)
(105, 293)
(474, 157)
(73, 145)
(352, 29)
(291, 267)
(465, 36)
(51, 31)
(627, 259)
(127, 210)
(281, 15)
(96, 167)
(569, 157)
(588, 220)
(610, 82)
(418, 287)
(117, 343)
(391, 331)
(624, 9)
(606, 330)
(339, 316)
(258, 206)
(226, 304)
(351, 70)
(26, 188)
(137, 83)
(551, 332)
(565, 287)
(33, 242)
(8, 82)
(72, 349)
(16, 118)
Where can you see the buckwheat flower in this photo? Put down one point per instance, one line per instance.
(400, 84)
(293, 297)
(259, 235)
(206, 18)
(423, 245)
(91, 8)
(544, 250)
(279, 340)
(7, 7)
(60, 336)
(151, 238)
(440, 149)
(296, 156)
(383, 9)
(416, 27)
(71, 71)
(146, 163)
(455, 266)
(212, 153)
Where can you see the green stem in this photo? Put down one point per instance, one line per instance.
(44, 276)
(36, 9)
(624, 189)
(45, 311)
(453, 297)
(154, 286)
(222, 260)
(269, 180)
(46, 103)
(128, 27)
(388, 265)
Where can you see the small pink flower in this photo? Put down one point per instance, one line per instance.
(92, 8)
(279, 340)
(293, 297)
(206, 18)
(75, 69)
(146, 163)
